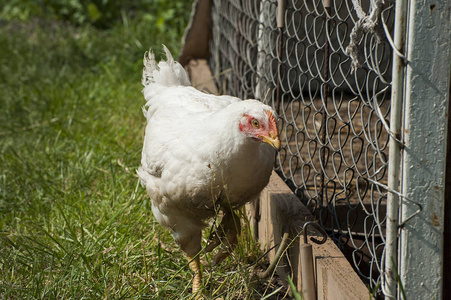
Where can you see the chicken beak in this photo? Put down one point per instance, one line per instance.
(273, 140)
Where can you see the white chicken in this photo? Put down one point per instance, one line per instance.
(201, 153)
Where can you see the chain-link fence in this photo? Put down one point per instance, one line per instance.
(326, 68)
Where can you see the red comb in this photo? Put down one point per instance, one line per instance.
(271, 118)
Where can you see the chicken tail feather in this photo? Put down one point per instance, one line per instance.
(165, 73)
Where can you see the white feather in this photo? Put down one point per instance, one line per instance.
(194, 152)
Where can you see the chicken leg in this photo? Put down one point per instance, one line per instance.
(225, 234)
(194, 264)
(189, 239)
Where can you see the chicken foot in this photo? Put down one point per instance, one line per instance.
(225, 234)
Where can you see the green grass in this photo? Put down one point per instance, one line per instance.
(74, 222)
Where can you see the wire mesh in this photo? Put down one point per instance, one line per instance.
(333, 120)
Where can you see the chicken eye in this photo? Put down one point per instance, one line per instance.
(255, 123)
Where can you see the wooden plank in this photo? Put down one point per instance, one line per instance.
(425, 120)
(197, 34)
(201, 77)
(335, 277)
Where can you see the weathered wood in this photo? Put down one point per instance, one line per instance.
(201, 77)
(335, 278)
(197, 34)
(425, 120)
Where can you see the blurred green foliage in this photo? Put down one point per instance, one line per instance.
(75, 224)
(165, 14)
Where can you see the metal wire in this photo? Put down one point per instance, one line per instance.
(333, 122)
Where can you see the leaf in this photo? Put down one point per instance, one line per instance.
(93, 12)
(293, 289)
